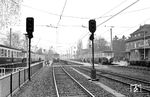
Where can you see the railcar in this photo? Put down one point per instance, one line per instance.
(9, 55)
(103, 57)
(55, 57)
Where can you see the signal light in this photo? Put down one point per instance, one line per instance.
(92, 25)
(30, 26)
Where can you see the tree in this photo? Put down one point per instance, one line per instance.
(100, 44)
(9, 12)
(16, 41)
(39, 51)
(119, 46)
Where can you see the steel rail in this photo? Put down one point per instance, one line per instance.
(118, 75)
(81, 86)
(54, 79)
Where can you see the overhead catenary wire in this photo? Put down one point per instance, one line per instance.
(114, 15)
(137, 25)
(118, 13)
(75, 17)
(132, 11)
(111, 9)
(62, 12)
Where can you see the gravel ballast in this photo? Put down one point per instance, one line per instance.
(93, 88)
(121, 88)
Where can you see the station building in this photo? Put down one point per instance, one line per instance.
(138, 44)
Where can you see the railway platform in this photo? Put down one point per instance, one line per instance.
(39, 86)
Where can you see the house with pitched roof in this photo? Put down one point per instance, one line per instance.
(138, 44)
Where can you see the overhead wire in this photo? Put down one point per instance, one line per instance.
(115, 15)
(59, 22)
(112, 9)
(62, 12)
(61, 15)
(137, 25)
(118, 13)
(132, 11)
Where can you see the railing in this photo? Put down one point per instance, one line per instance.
(2, 72)
(10, 83)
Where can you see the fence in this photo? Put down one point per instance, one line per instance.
(2, 72)
(12, 82)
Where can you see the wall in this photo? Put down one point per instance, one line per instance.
(12, 82)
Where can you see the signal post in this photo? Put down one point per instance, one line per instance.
(92, 29)
(29, 30)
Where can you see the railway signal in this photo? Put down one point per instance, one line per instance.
(30, 26)
(92, 26)
(92, 29)
(29, 30)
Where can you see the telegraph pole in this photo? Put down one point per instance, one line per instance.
(144, 45)
(10, 35)
(111, 38)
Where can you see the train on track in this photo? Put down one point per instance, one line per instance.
(56, 57)
(103, 57)
(9, 55)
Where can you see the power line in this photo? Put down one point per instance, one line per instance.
(137, 25)
(112, 9)
(114, 15)
(118, 13)
(47, 12)
(75, 17)
(127, 12)
(62, 12)
(43, 11)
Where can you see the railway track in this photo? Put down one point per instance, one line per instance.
(67, 86)
(127, 80)
(132, 67)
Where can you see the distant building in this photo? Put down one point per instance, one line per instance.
(138, 44)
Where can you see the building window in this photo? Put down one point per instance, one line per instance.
(8, 53)
(5, 53)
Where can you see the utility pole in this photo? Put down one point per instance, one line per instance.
(10, 35)
(144, 45)
(111, 37)
(111, 43)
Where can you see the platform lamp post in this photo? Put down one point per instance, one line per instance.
(29, 30)
(92, 29)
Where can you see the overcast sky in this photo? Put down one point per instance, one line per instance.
(75, 17)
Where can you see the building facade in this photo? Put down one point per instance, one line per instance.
(138, 44)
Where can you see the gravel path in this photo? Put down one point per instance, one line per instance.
(41, 85)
